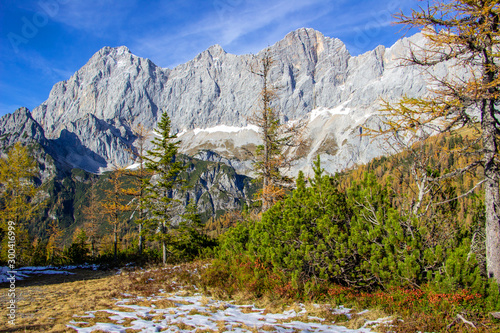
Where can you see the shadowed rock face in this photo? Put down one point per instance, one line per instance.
(318, 83)
(20, 127)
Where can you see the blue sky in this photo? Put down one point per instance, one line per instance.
(46, 41)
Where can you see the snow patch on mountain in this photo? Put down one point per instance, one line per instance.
(226, 129)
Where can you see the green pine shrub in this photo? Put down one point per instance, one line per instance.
(306, 236)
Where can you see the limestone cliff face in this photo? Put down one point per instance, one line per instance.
(20, 127)
(93, 113)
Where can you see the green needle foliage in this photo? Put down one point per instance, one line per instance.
(191, 240)
(306, 234)
(164, 163)
(353, 236)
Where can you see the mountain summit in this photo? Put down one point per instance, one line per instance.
(214, 94)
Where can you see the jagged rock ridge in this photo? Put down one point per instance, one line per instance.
(319, 83)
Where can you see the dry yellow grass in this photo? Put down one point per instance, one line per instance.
(48, 304)
(49, 307)
(357, 321)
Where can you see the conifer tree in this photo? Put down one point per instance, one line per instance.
(113, 205)
(464, 33)
(140, 177)
(78, 251)
(19, 197)
(276, 138)
(53, 246)
(17, 188)
(93, 216)
(191, 237)
(306, 234)
(164, 163)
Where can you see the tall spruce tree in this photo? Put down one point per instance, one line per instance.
(164, 163)
(465, 33)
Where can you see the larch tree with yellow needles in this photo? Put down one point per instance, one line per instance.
(93, 220)
(464, 34)
(277, 138)
(17, 188)
(20, 199)
(114, 205)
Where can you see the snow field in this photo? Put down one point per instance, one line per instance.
(181, 312)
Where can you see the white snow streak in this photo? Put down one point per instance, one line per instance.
(226, 129)
(206, 314)
(322, 111)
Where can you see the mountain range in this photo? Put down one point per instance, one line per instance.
(87, 121)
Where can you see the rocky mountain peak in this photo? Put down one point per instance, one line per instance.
(319, 83)
(304, 35)
(111, 51)
(310, 40)
(214, 52)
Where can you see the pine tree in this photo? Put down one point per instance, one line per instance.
(191, 237)
(272, 156)
(78, 251)
(306, 234)
(166, 166)
(467, 34)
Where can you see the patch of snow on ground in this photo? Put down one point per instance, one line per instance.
(25, 272)
(198, 312)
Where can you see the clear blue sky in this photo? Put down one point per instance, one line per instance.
(46, 41)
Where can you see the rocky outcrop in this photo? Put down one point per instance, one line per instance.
(20, 127)
(216, 188)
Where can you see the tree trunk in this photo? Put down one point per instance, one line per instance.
(140, 238)
(491, 193)
(115, 243)
(265, 120)
(164, 246)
